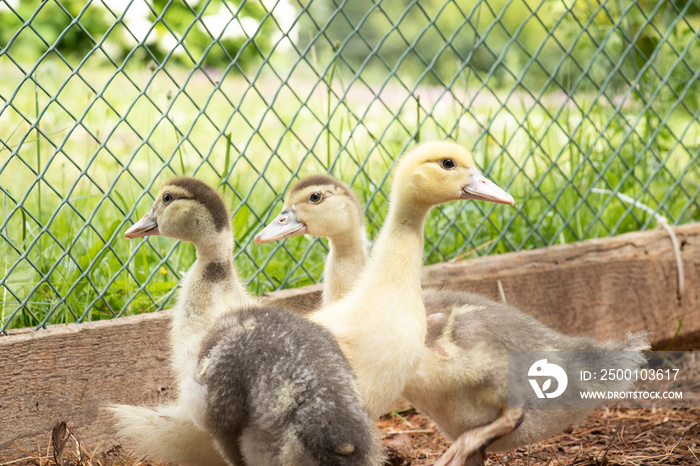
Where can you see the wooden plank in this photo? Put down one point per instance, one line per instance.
(68, 372)
(602, 287)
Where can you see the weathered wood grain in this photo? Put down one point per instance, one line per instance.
(601, 287)
(68, 373)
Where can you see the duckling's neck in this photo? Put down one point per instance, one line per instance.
(212, 285)
(381, 323)
(345, 262)
(215, 247)
(210, 289)
(395, 266)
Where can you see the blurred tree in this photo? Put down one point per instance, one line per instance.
(543, 45)
(653, 43)
(52, 24)
(214, 32)
(516, 42)
(392, 33)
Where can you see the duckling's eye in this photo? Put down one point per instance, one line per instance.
(167, 198)
(448, 164)
(315, 197)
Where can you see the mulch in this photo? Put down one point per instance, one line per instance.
(607, 437)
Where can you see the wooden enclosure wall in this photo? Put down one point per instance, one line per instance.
(602, 287)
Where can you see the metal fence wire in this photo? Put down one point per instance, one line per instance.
(563, 103)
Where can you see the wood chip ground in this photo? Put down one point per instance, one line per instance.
(607, 437)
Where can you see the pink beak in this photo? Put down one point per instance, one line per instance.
(483, 189)
(147, 226)
(283, 226)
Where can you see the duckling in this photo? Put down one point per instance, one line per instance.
(462, 382)
(190, 210)
(207, 291)
(275, 389)
(235, 356)
(462, 378)
(380, 323)
(321, 205)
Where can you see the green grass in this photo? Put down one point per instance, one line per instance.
(81, 267)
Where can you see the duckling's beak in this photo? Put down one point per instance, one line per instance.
(147, 226)
(483, 189)
(283, 226)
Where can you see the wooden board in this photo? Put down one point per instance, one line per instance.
(602, 287)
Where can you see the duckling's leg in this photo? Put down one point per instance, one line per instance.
(469, 449)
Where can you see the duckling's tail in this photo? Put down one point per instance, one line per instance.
(635, 342)
(164, 433)
(627, 354)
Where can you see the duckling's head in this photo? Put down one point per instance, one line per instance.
(438, 172)
(186, 209)
(319, 205)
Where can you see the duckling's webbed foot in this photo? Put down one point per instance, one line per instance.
(470, 448)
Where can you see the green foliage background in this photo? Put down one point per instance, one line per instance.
(74, 27)
(104, 101)
(495, 41)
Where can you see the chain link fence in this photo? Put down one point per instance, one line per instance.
(103, 100)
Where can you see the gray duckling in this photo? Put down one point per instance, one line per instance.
(274, 389)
